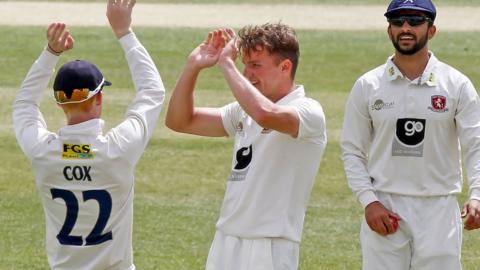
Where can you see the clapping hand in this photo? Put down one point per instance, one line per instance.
(59, 39)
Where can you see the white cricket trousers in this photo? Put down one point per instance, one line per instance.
(234, 253)
(429, 236)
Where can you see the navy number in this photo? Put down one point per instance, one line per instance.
(95, 237)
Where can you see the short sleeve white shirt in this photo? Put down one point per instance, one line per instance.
(272, 173)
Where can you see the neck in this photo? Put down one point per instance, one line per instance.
(77, 119)
(287, 89)
(412, 66)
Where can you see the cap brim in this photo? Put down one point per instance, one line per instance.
(387, 14)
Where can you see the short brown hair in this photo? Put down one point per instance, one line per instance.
(277, 38)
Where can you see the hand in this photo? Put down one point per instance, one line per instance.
(471, 210)
(380, 219)
(119, 14)
(208, 53)
(230, 52)
(59, 39)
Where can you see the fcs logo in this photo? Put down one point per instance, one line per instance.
(408, 1)
(76, 151)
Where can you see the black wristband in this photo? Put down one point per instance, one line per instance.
(48, 44)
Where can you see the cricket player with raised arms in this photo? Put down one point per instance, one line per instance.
(85, 177)
(280, 136)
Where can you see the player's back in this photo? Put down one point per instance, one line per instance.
(86, 183)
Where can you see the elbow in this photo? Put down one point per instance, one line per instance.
(175, 124)
(261, 116)
(171, 124)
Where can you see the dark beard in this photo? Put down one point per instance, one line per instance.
(417, 47)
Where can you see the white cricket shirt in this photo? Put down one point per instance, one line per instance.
(404, 137)
(86, 178)
(272, 173)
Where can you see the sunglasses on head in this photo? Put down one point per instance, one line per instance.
(413, 20)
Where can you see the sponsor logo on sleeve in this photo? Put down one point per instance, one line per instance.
(76, 151)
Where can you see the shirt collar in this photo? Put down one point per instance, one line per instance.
(428, 76)
(90, 127)
(298, 92)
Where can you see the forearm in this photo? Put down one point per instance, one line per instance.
(250, 99)
(28, 121)
(147, 81)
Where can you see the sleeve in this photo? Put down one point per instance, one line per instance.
(133, 134)
(28, 122)
(468, 130)
(355, 143)
(312, 124)
(230, 114)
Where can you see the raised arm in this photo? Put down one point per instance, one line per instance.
(133, 133)
(264, 111)
(30, 127)
(182, 115)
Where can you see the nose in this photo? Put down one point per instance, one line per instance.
(406, 24)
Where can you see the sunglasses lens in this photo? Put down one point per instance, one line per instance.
(396, 21)
(416, 20)
(412, 20)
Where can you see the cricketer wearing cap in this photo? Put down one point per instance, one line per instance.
(405, 124)
(85, 177)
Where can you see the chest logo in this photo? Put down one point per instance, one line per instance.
(381, 105)
(409, 137)
(439, 104)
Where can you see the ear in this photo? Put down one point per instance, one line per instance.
(286, 66)
(431, 31)
(389, 32)
(98, 98)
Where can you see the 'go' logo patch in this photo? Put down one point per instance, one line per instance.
(76, 151)
(410, 133)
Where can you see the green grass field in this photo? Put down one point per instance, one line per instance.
(180, 179)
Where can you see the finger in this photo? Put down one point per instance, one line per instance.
(132, 3)
(468, 224)
(58, 32)
(380, 227)
(52, 30)
(69, 42)
(219, 40)
(209, 38)
(64, 37)
(230, 33)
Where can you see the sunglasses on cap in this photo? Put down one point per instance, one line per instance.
(77, 95)
(413, 20)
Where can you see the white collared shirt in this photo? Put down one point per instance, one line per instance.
(272, 173)
(404, 137)
(86, 178)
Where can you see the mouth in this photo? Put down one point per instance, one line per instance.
(406, 37)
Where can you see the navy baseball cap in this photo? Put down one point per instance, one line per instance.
(420, 5)
(77, 81)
